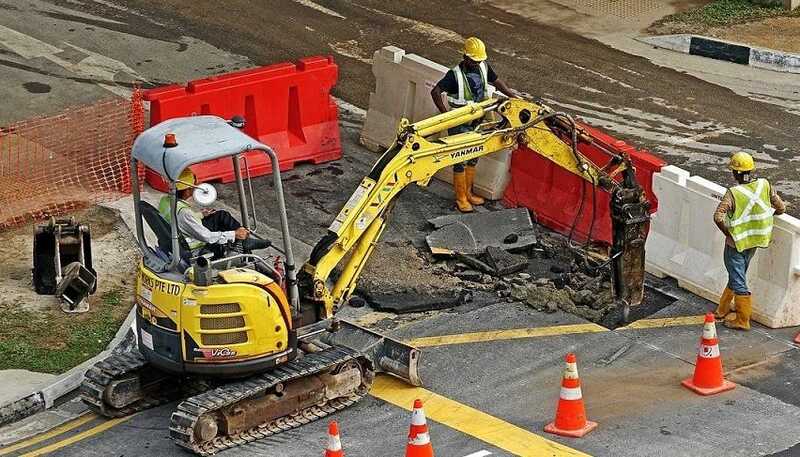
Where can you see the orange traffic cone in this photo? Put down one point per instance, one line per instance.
(570, 413)
(707, 379)
(419, 440)
(797, 338)
(334, 448)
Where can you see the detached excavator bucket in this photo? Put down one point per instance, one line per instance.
(387, 355)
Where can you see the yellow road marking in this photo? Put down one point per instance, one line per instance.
(513, 334)
(471, 421)
(665, 322)
(77, 437)
(63, 428)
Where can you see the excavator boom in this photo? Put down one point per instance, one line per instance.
(416, 156)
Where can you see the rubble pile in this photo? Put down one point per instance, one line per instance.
(544, 271)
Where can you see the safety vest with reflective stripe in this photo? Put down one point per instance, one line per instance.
(751, 223)
(164, 210)
(464, 95)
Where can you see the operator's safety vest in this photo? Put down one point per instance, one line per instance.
(464, 91)
(751, 223)
(164, 210)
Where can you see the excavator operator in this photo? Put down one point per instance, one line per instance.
(209, 232)
(467, 82)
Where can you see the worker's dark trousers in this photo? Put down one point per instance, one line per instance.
(219, 221)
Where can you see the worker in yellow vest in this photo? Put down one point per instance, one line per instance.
(745, 216)
(212, 232)
(467, 82)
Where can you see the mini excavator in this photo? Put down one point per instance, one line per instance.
(252, 347)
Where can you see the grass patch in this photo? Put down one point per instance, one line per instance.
(52, 341)
(720, 13)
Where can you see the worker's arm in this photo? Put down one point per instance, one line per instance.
(725, 207)
(777, 204)
(436, 94)
(446, 85)
(507, 91)
(193, 228)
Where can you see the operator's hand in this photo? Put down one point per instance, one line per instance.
(242, 233)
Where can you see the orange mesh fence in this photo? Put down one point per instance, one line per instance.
(53, 165)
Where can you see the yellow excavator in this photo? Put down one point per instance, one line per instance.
(253, 347)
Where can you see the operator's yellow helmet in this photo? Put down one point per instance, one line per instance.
(475, 49)
(742, 161)
(186, 180)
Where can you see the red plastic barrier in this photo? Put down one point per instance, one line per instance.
(287, 106)
(554, 194)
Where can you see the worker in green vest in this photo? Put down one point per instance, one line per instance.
(745, 216)
(467, 82)
(211, 232)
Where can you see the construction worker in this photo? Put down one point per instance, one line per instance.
(745, 217)
(467, 82)
(211, 232)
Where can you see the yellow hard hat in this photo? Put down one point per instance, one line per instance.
(742, 161)
(475, 49)
(186, 178)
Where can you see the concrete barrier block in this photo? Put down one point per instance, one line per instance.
(403, 83)
(674, 174)
(684, 243)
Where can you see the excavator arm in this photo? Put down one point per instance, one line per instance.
(417, 155)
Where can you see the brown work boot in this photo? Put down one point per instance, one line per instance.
(469, 172)
(460, 188)
(744, 308)
(724, 307)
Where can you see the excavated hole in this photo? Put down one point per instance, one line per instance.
(654, 301)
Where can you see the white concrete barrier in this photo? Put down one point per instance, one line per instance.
(685, 244)
(403, 83)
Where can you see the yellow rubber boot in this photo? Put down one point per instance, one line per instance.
(744, 308)
(724, 307)
(460, 188)
(470, 175)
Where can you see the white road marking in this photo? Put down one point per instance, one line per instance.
(600, 75)
(318, 7)
(702, 136)
(25, 46)
(479, 454)
(94, 66)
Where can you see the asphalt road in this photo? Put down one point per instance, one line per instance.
(92, 48)
(690, 122)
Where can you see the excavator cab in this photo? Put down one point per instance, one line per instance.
(229, 316)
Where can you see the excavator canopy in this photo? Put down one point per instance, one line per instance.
(199, 139)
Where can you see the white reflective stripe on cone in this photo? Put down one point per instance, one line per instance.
(334, 443)
(709, 331)
(571, 393)
(420, 440)
(418, 418)
(571, 371)
(708, 352)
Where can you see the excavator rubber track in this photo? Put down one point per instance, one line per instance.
(114, 368)
(184, 421)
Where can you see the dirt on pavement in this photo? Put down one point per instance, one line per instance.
(779, 33)
(114, 257)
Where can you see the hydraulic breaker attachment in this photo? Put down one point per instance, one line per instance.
(629, 218)
(387, 355)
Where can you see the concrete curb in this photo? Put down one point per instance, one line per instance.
(713, 48)
(34, 402)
